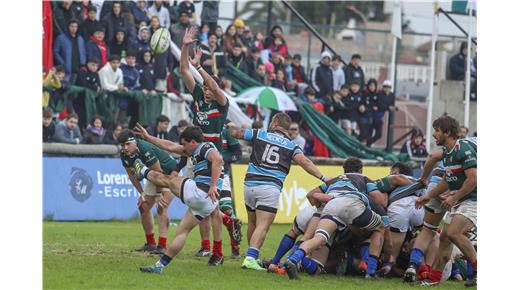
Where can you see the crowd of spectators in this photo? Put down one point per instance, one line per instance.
(105, 45)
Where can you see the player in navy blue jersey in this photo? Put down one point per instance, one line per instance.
(269, 164)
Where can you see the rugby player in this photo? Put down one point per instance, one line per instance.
(133, 148)
(460, 178)
(199, 194)
(210, 108)
(269, 164)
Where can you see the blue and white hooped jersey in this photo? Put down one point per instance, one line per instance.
(271, 158)
(347, 182)
(202, 167)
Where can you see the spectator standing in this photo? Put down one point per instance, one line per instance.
(321, 77)
(61, 15)
(209, 14)
(94, 133)
(385, 102)
(339, 110)
(338, 75)
(176, 131)
(230, 39)
(89, 25)
(69, 50)
(319, 149)
(143, 39)
(353, 103)
(253, 60)
(141, 12)
(353, 71)
(128, 106)
(119, 44)
(111, 135)
(261, 75)
(294, 134)
(368, 105)
(298, 70)
(67, 131)
(278, 46)
(114, 21)
(160, 130)
(276, 31)
(96, 46)
(158, 9)
(458, 63)
(178, 30)
(220, 34)
(187, 6)
(80, 10)
(87, 78)
(48, 125)
(247, 38)
(146, 74)
(463, 132)
(259, 40)
(213, 59)
(162, 62)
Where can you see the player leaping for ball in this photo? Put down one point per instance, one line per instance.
(200, 194)
(269, 164)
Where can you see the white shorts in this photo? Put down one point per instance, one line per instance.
(434, 205)
(302, 220)
(403, 215)
(188, 169)
(226, 184)
(196, 199)
(262, 197)
(467, 208)
(151, 190)
(345, 211)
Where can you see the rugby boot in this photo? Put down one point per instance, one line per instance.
(203, 253)
(147, 248)
(291, 269)
(215, 260)
(253, 264)
(410, 273)
(472, 282)
(152, 269)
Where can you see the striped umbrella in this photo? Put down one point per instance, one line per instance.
(267, 97)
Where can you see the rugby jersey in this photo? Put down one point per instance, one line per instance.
(202, 167)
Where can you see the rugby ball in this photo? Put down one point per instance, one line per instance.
(160, 41)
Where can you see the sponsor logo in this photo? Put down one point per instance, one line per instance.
(452, 178)
(202, 118)
(292, 200)
(115, 185)
(80, 184)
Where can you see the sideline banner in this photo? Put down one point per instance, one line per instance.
(92, 189)
(297, 184)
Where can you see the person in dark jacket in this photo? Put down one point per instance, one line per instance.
(94, 133)
(458, 64)
(176, 131)
(353, 71)
(114, 21)
(415, 147)
(368, 105)
(160, 130)
(140, 12)
(276, 31)
(321, 76)
(96, 46)
(131, 81)
(298, 70)
(209, 14)
(213, 59)
(111, 135)
(88, 78)
(89, 25)
(48, 125)
(353, 103)
(119, 44)
(61, 15)
(279, 82)
(237, 58)
(69, 49)
(252, 61)
(146, 74)
(143, 39)
(339, 109)
(385, 102)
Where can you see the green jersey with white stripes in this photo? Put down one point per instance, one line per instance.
(461, 157)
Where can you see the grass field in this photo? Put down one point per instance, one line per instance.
(99, 255)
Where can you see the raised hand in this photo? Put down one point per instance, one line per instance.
(190, 36)
(141, 131)
(197, 54)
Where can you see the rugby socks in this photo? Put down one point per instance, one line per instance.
(205, 245)
(435, 275)
(372, 265)
(416, 256)
(227, 221)
(162, 242)
(297, 256)
(285, 245)
(150, 239)
(363, 252)
(164, 261)
(252, 253)
(474, 267)
(295, 247)
(217, 248)
(309, 265)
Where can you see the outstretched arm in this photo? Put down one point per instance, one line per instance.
(430, 163)
(188, 39)
(208, 80)
(235, 131)
(308, 166)
(161, 143)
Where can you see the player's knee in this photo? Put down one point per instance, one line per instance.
(323, 236)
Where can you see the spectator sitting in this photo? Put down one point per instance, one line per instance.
(458, 63)
(339, 110)
(228, 86)
(160, 130)
(94, 133)
(96, 46)
(178, 30)
(111, 135)
(51, 81)
(140, 12)
(204, 31)
(219, 32)
(294, 134)
(279, 82)
(213, 59)
(319, 149)
(69, 49)
(119, 44)
(321, 76)
(259, 40)
(111, 76)
(237, 57)
(298, 70)
(247, 38)
(415, 148)
(278, 61)
(288, 69)
(187, 6)
(239, 24)
(261, 75)
(269, 68)
(145, 69)
(143, 39)
(253, 61)
(279, 47)
(89, 25)
(125, 104)
(353, 71)
(155, 24)
(176, 131)
(88, 76)
(385, 102)
(48, 125)
(59, 86)
(276, 31)
(231, 39)
(67, 131)
(338, 75)
(157, 9)
(353, 103)
(463, 132)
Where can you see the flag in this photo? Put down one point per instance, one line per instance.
(47, 35)
(397, 23)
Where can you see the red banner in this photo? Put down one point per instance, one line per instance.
(47, 35)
